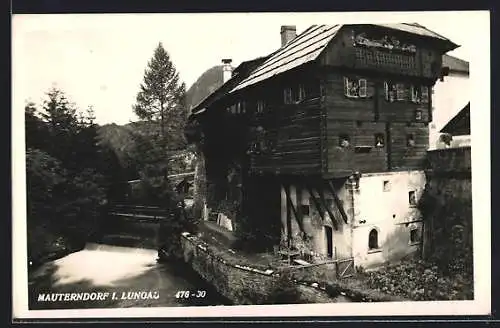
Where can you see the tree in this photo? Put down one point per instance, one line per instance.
(161, 99)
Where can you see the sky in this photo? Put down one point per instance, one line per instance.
(99, 60)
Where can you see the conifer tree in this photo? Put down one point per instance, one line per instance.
(161, 99)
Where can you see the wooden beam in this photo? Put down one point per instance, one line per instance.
(288, 220)
(290, 203)
(315, 201)
(323, 201)
(337, 201)
(295, 210)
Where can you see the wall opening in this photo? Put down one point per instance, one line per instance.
(387, 186)
(329, 241)
(412, 198)
(304, 209)
(373, 239)
(414, 236)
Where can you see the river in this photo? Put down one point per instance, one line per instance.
(117, 277)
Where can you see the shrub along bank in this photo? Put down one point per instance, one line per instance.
(421, 281)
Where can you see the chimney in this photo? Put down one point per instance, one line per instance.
(288, 33)
(227, 70)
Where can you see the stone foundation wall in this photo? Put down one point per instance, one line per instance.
(240, 284)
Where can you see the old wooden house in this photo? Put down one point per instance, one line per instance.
(325, 139)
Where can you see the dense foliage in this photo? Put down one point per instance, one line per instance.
(420, 280)
(70, 177)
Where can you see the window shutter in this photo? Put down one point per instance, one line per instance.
(346, 86)
(386, 89)
(425, 94)
(362, 88)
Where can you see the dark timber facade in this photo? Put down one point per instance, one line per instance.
(290, 136)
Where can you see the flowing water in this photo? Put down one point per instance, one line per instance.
(104, 275)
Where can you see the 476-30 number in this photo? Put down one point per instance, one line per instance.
(188, 294)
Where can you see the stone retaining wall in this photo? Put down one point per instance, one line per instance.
(239, 284)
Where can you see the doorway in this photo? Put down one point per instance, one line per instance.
(329, 241)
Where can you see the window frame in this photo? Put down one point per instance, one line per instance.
(399, 91)
(377, 247)
(410, 136)
(418, 236)
(301, 92)
(412, 195)
(260, 106)
(362, 91)
(386, 185)
(377, 135)
(344, 136)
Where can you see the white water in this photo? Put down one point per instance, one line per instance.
(101, 265)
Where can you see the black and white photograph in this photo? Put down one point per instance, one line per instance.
(242, 164)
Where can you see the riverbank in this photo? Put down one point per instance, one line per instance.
(116, 277)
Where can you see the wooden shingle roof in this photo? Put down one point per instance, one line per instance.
(460, 124)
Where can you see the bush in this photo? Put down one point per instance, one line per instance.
(285, 291)
(419, 280)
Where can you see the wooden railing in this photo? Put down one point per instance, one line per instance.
(139, 213)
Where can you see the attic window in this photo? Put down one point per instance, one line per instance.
(344, 141)
(354, 88)
(379, 140)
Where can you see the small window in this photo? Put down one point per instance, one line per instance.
(304, 209)
(379, 140)
(344, 141)
(410, 141)
(395, 91)
(400, 92)
(390, 91)
(362, 88)
(416, 94)
(260, 106)
(354, 88)
(287, 93)
(373, 239)
(412, 198)
(414, 236)
(302, 92)
(418, 115)
(425, 94)
(387, 186)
